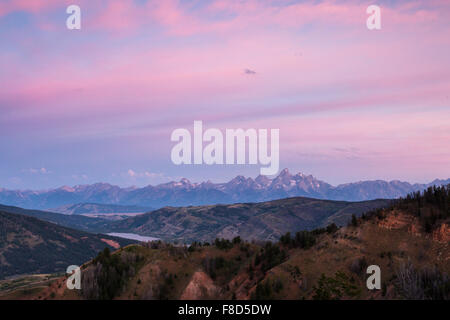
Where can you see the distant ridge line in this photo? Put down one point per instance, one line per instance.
(239, 189)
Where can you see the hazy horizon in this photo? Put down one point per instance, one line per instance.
(218, 181)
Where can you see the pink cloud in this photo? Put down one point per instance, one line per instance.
(35, 6)
(218, 17)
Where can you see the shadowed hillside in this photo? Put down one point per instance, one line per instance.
(29, 245)
(258, 221)
(78, 222)
(251, 221)
(97, 208)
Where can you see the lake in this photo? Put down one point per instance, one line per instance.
(132, 236)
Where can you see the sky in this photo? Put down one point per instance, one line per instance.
(99, 104)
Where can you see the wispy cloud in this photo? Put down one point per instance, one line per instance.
(79, 177)
(147, 175)
(37, 170)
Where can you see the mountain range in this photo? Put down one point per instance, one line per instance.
(186, 193)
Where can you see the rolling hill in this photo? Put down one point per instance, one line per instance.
(30, 245)
(79, 222)
(98, 208)
(251, 221)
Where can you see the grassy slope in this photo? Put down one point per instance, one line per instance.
(379, 245)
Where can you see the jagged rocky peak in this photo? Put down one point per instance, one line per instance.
(185, 181)
(66, 188)
(263, 180)
(284, 177)
(99, 186)
(238, 179)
